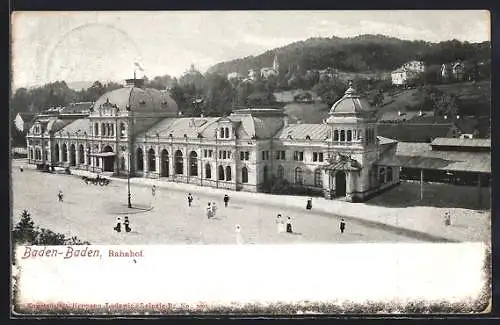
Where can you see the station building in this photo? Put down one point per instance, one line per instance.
(137, 131)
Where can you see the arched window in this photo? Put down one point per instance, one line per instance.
(46, 155)
(299, 176)
(222, 132)
(193, 164)
(81, 155)
(359, 134)
(227, 132)
(96, 129)
(228, 173)
(65, 153)
(140, 159)
(342, 135)
(244, 175)
(112, 129)
(336, 135)
(280, 172)
(56, 153)
(152, 160)
(165, 163)
(349, 135)
(103, 129)
(208, 171)
(389, 174)
(122, 130)
(179, 162)
(318, 179)
(122, 163)
(381, 176)
(221, 173)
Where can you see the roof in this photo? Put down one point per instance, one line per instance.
(383, 140)
(301, 131)
(57, 124)
(343, 163)
(179, 127)
(421, 155)
(414, 132)
(351, 103)
(399, 70)
(138, 99)
(27, 116)
(80, 125)
(80, 107)
(454, 142)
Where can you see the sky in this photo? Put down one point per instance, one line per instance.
(88, 46)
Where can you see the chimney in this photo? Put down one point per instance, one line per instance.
(399, 113)
(420, 113)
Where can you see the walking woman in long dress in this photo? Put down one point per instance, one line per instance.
(214, 209)
(209, 211)
(289, 225)
(279, 226)
(239, 239)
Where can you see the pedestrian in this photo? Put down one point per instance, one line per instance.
(226, 200)
(309, 204)
(190, 199)
(21, 169)
(239, 239)
(447, 218)
(118, 227)
(214, 209)
(153, 191)
(60, 196)
(127, 225)
(289, 225)
(282, 225)
(279, 223)
(342, 225)
(209, 211)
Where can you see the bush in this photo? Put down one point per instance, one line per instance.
(282, 187)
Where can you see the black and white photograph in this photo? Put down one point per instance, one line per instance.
(243, 130)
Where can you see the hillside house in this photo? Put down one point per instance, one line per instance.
(23, 121)
(407, 73)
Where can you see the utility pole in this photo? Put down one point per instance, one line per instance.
(421, 184)
(128, 182)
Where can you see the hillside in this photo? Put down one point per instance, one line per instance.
(474, 99)
(374, 53)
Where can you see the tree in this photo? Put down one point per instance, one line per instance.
(25, 231)
(219, 95)
(330, 90)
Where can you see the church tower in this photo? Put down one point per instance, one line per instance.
(276, 65)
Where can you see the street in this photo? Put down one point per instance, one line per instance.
(89, 212)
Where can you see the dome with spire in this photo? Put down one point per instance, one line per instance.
(351, 103)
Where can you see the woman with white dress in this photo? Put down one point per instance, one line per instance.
(279, 226)
(214, 209)
(239, 239)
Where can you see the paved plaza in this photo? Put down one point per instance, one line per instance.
(90, 211)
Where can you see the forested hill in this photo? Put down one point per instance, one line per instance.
(358, 54)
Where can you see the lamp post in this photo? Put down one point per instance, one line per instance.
(128, 183)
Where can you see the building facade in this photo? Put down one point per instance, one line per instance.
(407, 73)
(137, 131)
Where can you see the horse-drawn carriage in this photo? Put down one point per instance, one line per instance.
(96, 180)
